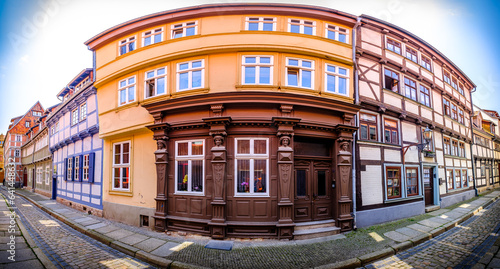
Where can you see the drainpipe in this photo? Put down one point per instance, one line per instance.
(472, 142)
(356, 123)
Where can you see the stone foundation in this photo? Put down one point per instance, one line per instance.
(80, 207)
(43, 192)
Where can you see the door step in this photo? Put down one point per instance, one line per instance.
(431, 208)
(315, 229)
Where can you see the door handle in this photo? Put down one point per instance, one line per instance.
(314, 196)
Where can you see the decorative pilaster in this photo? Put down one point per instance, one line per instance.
(344, 177)
(218, 131)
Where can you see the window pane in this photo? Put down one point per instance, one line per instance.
(157, 38)
(301, 182)
(197, 148)
(260, 175)
(306, 64)
(321, 183)
(265, 60)
(183, 81)
(197, 79)
(123, 96)
(117, 154)
(342, 38)
(249, 74)
(265, 75)
(189, 31)
(293, 62)
(131, 93)
(268, 27)
(342, 71)
(160, 71)
(330, 68)
(243, 175)
(306, 79)
(147, 41)
(131, 80)
(161, 86)
(330, 83)
(243, 146)
(253, 26)
(373, 133)
(182, 149)
(123, 50)
(197, 175)
(125, 176)
(250, 60)
(294, 28)
(116, 178)
(308, 30)
(260, 146)
(150, 74)
(183, 66)
(342, 85)
(182, 175)
(292, 78)
(331, 35)
(196, 64)
(364, 131)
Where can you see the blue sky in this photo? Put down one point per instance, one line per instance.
(41, 41)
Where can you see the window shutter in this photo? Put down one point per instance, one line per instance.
(65, 168)
(80, 168)
(91, 166)
(73, 168)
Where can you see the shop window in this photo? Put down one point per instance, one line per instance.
(391, 132)
(391, 80)
(257, 70)
(121, 166)
(156, 81)
(337, 79)
(190, 75)
(393, 182)
(152, 37)
(411, 181)
(260, 24)
(393, 46)
(425, 96)
(189, 166)
(410, 89)
(368, 127)
(411, 54)
(426, 63)
(337, 33)
(127, 45)
(184, 29)
(126, 90)
(301, 26)
(300, 73)
(252, 166)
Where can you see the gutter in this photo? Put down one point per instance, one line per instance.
(472, 142)
(356, 122)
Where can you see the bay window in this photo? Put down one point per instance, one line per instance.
(337, 33)
(301, 26)
(252, 166)
(127, 45)
(152, 37)
(189, 166)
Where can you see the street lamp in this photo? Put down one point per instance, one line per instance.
(427, 139)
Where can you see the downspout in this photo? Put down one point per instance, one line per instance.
(472, 142)
(356, 123)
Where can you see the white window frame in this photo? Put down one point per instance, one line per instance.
(74, 117)
(152, 34)
(69, 170)
(47, 175)
(257, 66)
(38, 176)
(126, 87)
(125, 42)
(27, 124)
(121, 165)
(155, 77)
(337, 30)
(189, 158)
(184, 26)
(77, 168)
(337, 76)
(17, 153)
(85, 168)
(83, 111)
(190, 71)
(302, 24)
(300, 69)
(250, 156)
(260, 21)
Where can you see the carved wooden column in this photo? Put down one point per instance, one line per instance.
(344, 177)
(161, 160)
(218, 131)
(285, 175)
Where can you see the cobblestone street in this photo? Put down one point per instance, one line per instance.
(473, 243)
(65, 247)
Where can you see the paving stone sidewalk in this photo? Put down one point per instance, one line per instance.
(164, 250)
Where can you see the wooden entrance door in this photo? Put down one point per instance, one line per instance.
(429, 185)
(313, 191)
(25, 177)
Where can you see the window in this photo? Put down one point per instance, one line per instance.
(301, 26)
(251, 166)
(461, 88)
(460, 116)
(127, 45)
(454, 111)
(74, 116)
(454, 148)
(190, 75)
(454, 83)
(300, 73)
(69, 169)
(391, 131)
(465, 183)
(391, 80)
(393, 182)
(19, 138)
(458, 179)
(85, 168)
(77, 168)
(27, 124)
(47, 175)
(393, 46)
(261, 24)
(425, 96)
(462, 149)
(83, 111)
(39, 174)
(152, 37)
(426, 63)
(189, 166)
(337, 33)
(121, 166)
(337, 79)
(184, 29)
(257, 70)
(126, 90)
(410, 89)
(368, 127)
(411, 181)
(17, 153)
(37, 113)
(156, 81)
(446, 76)
(446, 105)
(411, 54)
(449, 178)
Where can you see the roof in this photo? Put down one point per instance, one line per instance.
(75, 81)
(21, 117)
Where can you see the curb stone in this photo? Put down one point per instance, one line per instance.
(351, 263)
(376, 255)
(153, 259)
(402, 246)
(100, 237)
(437, 231)
(420, 239)
(129, 250)
(181, 265)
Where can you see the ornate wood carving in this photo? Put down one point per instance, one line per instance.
(161, 161)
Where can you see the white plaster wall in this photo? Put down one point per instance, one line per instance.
(392, 100)
(411, 107)
(369, 153)
(371, 187)
(371, 36)
(392, 155)
(409, 132)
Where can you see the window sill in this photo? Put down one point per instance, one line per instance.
(252, 195)
(395, 200)
(189, 92)
(154, 99)
(121, 193)
(256, 86)
(189, 193)
(300, 89)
